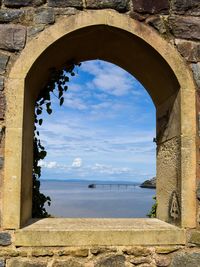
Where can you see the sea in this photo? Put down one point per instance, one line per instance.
(74, 199)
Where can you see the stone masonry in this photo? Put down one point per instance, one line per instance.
(177, 21)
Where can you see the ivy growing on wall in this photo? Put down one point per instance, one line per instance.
(153, 211)
(56, 87)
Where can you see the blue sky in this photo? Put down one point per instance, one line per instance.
(103, 131)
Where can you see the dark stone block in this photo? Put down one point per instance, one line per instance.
(186, 260)
(151, 6)
(65, 11)
(12, 37)
(5, 238)
(196, 73)
(3, 62)
(114, 261)
(65, 3)
(198, 195)
(185, 27)
(189, 7)
(39, 2)
(189, 50)
(44, 16)
(158, 23)
(10, 15)
(1, 166)
(32, 31)
(2, 263)
(120, 5)
(138, 16)
(1, 83)
(17, 3)
(23, 3)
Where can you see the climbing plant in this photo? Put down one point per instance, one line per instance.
(152, 213)
(56, 87)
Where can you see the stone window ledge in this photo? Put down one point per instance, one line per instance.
(99, 232)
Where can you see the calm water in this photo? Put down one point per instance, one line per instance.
(75, 199)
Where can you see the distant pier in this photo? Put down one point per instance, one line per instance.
(112, 186)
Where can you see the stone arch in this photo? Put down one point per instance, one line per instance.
(114, 37)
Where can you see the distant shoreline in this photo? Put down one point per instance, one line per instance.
(90, 181)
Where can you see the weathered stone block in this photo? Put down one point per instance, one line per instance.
(39, 2)
(80, 252)
(191, 7)
(99, 250)
(5, 238)
(186, 260)
(137, 251)
(120, 5)
(189, 50)
(32, 31)
(3, 62)
(1, 83)
(2, 263)
(140, 260)
(10, 15)
(65, 3)
(68, 263)
(44, 16)
(158, 23)
(151, 6)
(185, 27)
(113, 260)
(198, 192)
(195, 238)
(65, 11)
(138, 16)
(23, 3)
(17, 3)
(196, 72)
(1, 166)
(41, 252)
(10, 252)
(25, 263)
(162, 261)
(166, 249)
(12, 37)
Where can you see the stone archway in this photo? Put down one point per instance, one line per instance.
(116, 38)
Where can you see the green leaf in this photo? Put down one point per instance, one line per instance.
(40, 121)
(61, 101)
(48, 108)
(60, 94)
(66, 78)
(39, 111)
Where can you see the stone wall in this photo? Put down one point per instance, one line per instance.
(178, 21)
(159, 256)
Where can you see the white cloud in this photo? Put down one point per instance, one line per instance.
(77, 163)
(109, 169)
(110, 78)
(49, 165)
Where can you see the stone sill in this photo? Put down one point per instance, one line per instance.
(98, 232)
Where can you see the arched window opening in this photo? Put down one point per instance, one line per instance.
(99, 145)
(109, 36)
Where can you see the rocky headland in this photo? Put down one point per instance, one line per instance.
(149, 183)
